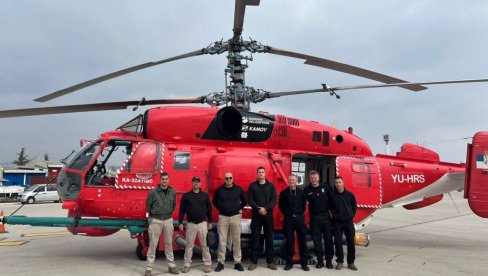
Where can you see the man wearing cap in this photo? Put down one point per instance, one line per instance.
(229, 199)
(196, 205)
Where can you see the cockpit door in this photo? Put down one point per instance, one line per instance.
(141, 170)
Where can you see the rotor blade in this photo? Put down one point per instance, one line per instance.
(345, 68)
(353, 87)
(119, 73)
(239, 12)
(92, 107)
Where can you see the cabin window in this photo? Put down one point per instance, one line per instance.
(182, 161)
(298, 169)
(325, 141)
(316, 136)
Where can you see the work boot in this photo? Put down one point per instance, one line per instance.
(147, 273)
(272, 266)
(207, 269)
(288, 266)
(305, 267)
(238, 267)
(319, 264)
(185, 269)
(173, 270)
(339, 266)
(352, 267)
(328, 264)
(219, 267)
(252, 267)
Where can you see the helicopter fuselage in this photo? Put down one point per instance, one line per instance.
(207, 142)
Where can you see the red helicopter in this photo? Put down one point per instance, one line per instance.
(105, 183)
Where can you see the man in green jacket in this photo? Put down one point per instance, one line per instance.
(160, 205)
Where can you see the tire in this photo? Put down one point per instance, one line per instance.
(30, 200)
(140, 253)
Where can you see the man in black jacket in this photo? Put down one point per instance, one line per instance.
(262, 199)
(229, 199)
(196, 205)
(292, 205)
(343, 207)
(320, 223)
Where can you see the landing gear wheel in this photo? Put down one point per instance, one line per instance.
(140, 252)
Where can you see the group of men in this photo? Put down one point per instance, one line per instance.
(331, 214)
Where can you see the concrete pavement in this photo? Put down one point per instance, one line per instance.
(436, 240)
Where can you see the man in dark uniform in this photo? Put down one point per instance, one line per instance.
(343, 206)
(262, 199)
(292, 204)
(320, 223)
(196, 205)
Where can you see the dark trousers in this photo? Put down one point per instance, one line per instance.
(266, 223)
(290, 226)
(346, 227)
(320, 227)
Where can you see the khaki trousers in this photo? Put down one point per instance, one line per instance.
(155, 228)
(192, 230)
(233, 226)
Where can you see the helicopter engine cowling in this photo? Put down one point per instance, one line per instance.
(418, 152)
(229, 121)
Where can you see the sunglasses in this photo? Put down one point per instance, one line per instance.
(228, 178)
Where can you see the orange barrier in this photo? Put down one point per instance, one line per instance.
(2, 226)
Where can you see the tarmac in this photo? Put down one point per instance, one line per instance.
(443, 239)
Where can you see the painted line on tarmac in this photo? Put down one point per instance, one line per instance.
(63, 233)
(12, 243)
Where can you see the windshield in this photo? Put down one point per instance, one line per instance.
(81, 159)
(32, 188)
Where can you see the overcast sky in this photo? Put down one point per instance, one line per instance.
(49, 45)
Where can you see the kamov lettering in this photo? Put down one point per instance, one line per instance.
(258, 129)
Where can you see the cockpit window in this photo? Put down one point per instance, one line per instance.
(113, 156)
(82, 158)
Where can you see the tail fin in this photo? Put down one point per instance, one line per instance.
(476, 181)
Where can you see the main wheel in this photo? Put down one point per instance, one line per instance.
(31, 200)
(140, 253)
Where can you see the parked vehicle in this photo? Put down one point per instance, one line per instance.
(40, 193)
(11, 191)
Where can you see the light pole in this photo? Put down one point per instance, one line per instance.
(386, 138)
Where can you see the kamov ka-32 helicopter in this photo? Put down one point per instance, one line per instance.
(105, 183)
